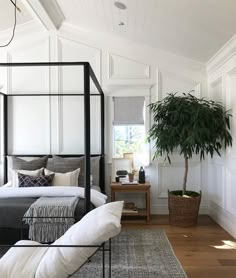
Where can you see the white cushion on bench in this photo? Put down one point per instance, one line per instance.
(21, 261)
(94, 228)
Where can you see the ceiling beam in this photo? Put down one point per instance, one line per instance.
(47, 12)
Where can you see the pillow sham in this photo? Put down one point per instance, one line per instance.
(49, 164)
(29, 181)
(33, 173)
(95, 166)
(24, 163)
(64, 179)
(94, 228)
(63, 165)
(21, 164)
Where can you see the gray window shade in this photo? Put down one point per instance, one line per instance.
(128, 110)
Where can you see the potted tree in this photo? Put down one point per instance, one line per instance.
(189, 125)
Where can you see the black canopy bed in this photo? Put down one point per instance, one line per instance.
(8, 205)
(17, 203)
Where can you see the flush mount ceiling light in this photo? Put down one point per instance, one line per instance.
(120, 5)
(121, 23)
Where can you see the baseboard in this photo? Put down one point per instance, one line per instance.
(225, 219)
(159, 209)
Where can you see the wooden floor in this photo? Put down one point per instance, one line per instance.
(204, 251)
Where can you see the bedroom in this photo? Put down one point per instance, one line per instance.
(147, 49)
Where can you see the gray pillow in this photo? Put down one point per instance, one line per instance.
(21, 164)
(63, 165)
(95, 166)
(18, 163)
(49, 165)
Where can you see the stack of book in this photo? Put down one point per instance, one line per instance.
(129, 182)
(130, 208)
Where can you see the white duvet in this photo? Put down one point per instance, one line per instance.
(97, 198)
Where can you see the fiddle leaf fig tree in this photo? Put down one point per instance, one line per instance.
(189, 125)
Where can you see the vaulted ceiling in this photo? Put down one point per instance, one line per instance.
(196, 29)
(7, 14)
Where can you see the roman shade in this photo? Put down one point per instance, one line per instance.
(128, 110)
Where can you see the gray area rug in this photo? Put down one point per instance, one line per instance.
(137, 254)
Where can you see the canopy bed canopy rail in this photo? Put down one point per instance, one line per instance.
(88, 72)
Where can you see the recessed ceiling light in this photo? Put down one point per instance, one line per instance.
(120, 5)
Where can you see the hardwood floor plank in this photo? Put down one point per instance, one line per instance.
(206, 250)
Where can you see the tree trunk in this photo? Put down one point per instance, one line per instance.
(185, 175)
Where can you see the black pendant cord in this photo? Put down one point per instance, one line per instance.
(14, 27)
(18, 9)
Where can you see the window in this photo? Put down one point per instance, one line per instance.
(130, 139)
(129, 132)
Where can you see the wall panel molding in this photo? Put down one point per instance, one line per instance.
(230, 178)
(93, 53)
(68, 50)
(170, 176)
(222, 172)
(217, 190)
(222, 56)
(232, 71)
(121, 67)
(32, 50)
(23, 32)
(197, 90)
(223, 218)
(29, 80)
(216, 82)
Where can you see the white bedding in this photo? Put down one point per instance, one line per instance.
(97, 198)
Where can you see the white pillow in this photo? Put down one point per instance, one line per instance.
(21, 261)
(94, 228)
(34, 173)
(64, 179)
(95, 187)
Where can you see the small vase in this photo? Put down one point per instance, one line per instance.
(131, 177)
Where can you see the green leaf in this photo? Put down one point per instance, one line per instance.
(189, 124)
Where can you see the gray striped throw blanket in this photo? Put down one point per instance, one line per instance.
(47, 220)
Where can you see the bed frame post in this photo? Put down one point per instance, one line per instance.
(87, 135)
(109, 249)
(102, 164)
(5, 136)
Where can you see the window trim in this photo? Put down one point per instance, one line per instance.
(145, 91)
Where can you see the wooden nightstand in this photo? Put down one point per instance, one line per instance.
(133, 188)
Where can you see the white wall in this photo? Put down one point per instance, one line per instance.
(222, 171)
(122, 67)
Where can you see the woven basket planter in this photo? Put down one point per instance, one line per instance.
(183, 211)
